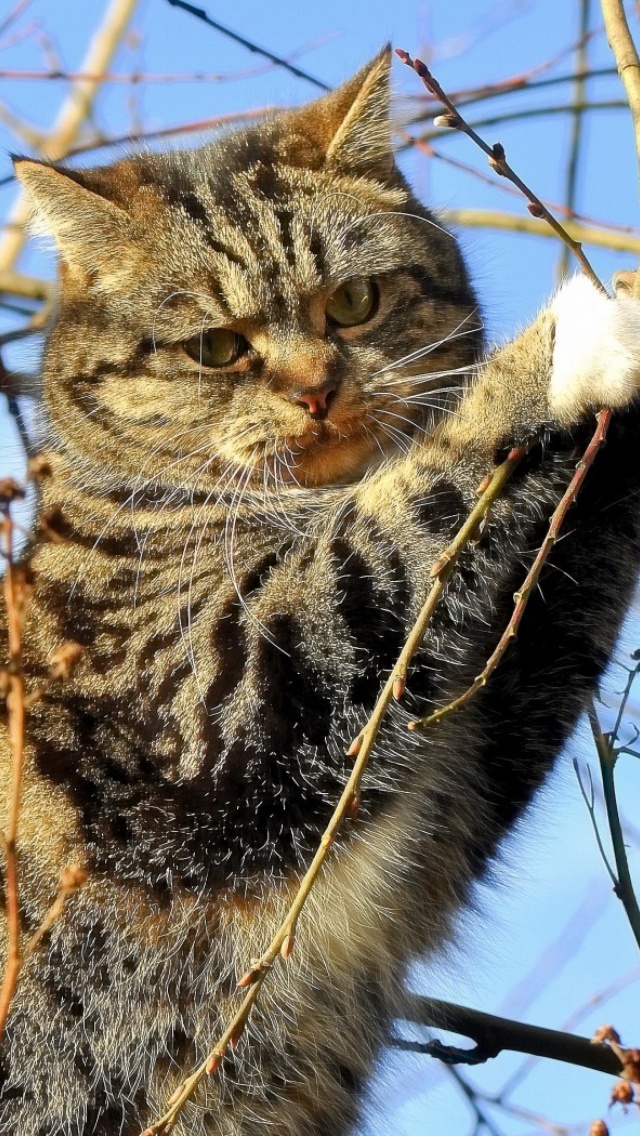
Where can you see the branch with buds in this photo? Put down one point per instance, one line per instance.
(17, 583)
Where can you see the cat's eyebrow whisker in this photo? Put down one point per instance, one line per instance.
(171, 296)
(395, 213)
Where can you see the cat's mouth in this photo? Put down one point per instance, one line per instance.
(329, 451)
(324, 453)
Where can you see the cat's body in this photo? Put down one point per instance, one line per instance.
(237, 626)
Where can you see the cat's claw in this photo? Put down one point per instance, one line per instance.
(596, 355)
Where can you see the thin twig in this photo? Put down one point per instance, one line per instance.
(498, 162)
(623, 885)
(588, 797)
(557, 206)
(200, 14)
(16, 590)
(531, 113)
(577, 122)
(468, 96)
(523, 595)
(73, 113)
(360, 748)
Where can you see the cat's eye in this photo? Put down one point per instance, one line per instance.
(353, 302)
(218, 347)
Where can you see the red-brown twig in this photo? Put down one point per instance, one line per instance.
(522, 596)
(498, 162)
(17, 589)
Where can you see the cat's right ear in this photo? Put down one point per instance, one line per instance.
(88, 229)
(348, 130)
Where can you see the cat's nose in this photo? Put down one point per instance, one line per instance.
(316, 400)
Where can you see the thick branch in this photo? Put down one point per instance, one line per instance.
(626, 56)
(492, 1035)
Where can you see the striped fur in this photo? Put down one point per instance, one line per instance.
(242, 580)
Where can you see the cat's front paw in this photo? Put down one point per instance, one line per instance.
(596, 354)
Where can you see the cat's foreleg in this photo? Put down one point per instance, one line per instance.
(581, 355)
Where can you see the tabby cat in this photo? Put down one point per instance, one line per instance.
(268, 413)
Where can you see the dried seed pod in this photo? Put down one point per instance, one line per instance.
(598, 1128)
(10, 490)
(606, 1033)
(622, 1093)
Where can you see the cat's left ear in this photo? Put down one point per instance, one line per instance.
(91, 231)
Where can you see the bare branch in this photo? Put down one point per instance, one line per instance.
(511, 222)
(522, 596)
(283, 940)
(498, 162)
(200, 14)
(493, 1034)
(72, 114)
(623, 886)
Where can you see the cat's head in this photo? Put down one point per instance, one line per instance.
(274, 307)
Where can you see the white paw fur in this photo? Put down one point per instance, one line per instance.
(596, 355)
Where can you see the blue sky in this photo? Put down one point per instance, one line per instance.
(551, 897)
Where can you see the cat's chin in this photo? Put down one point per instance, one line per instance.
(327, 459)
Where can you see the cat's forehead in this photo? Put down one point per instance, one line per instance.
(268, 233)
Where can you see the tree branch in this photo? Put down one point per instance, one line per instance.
(514, 223)
(623, 885)
(200, 14)
(493, 1034)
(74, 111)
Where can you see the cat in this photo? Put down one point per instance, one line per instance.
(268, 412)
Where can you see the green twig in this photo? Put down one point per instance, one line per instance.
(623, 886)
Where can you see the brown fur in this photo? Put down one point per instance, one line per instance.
(242, 577)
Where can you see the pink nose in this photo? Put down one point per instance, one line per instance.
(317, 399)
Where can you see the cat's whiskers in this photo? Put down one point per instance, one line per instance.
(229, 540)
(399, 439)
(129, 501)
(429, 348)
(415, 427)
(422, 378)
(226, 476)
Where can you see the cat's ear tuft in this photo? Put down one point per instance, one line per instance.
(361, 142)
(88, 228)
(348, 129)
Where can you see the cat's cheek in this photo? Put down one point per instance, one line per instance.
(596, 354)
